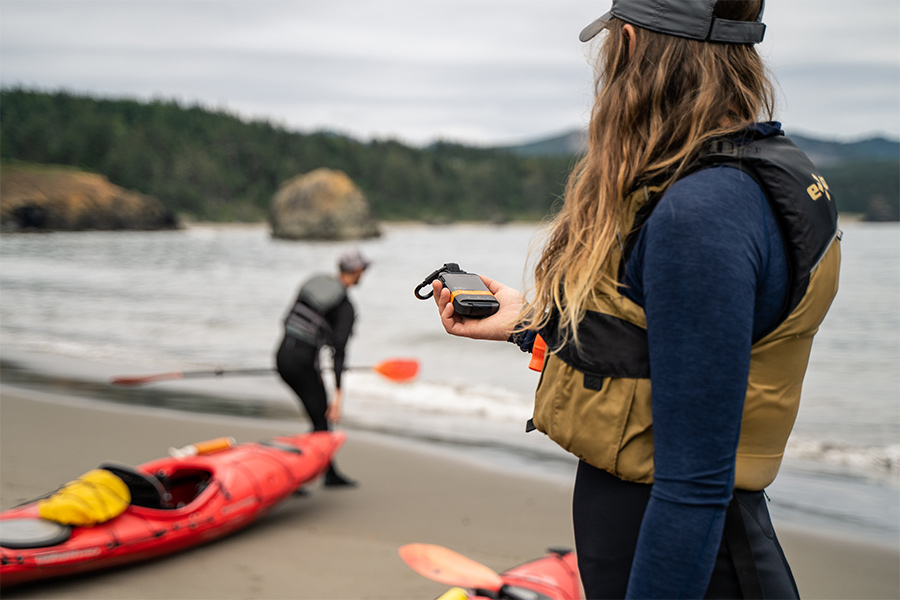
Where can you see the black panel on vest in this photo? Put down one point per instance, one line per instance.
(617, 348)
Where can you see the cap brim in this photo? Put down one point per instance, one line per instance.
(588, 33)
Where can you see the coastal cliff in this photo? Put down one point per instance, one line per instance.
(38, 198)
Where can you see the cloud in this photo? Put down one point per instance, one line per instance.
(482, 71)
(866, 104)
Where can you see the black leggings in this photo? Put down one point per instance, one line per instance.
(607, 514)
(297, 364)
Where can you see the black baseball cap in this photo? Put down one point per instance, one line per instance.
(692, 19)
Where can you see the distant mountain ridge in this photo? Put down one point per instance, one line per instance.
(566, 144)
(824, 152)
(821, 152)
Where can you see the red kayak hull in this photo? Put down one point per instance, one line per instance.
(554, 575)
(212, 495)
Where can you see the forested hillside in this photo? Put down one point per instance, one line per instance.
(212, 165)
(868, 187)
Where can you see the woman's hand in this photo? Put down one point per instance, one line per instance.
(498, 326)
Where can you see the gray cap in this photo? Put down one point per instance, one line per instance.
(352, 260)
(692, 19)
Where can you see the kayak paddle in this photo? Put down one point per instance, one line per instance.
(396, 369)
(450, 568)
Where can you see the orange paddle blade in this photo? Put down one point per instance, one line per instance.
(398, 369)
(448, 567)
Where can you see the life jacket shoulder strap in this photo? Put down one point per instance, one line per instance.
(798, 195)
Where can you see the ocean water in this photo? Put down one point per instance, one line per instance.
(212, 297)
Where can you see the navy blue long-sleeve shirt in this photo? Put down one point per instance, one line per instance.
(709, 269)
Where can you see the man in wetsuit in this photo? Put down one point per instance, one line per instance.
(322, 315)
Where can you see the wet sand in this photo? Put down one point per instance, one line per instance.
(338, 543)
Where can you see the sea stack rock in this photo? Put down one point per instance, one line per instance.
(37, 198)
(321, 205)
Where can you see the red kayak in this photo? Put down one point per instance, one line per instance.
(554, 576)
(176, 503)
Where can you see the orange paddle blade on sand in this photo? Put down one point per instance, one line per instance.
(448, 567)
(398, 369)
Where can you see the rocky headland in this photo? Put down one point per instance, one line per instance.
(42, 198)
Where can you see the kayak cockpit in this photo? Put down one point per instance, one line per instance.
(184, 485)
(164, 489)
(146, 489)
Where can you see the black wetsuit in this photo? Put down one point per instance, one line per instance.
(298, 364)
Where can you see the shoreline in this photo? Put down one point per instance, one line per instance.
(340, 543)
(188, 224)
(840, 505)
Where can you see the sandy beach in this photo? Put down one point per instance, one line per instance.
(337, 543)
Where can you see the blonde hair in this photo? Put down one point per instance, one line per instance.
(654, 111)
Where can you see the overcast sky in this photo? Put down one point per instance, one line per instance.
(480, 71)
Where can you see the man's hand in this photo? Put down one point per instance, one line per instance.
(333, 412)
(498, 326)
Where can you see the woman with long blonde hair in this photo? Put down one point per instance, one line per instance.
(695, 255)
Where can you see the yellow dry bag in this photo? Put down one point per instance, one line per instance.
(95, 497)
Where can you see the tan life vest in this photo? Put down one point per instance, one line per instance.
(599, 407)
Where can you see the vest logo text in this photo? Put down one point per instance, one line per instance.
(816, 190)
